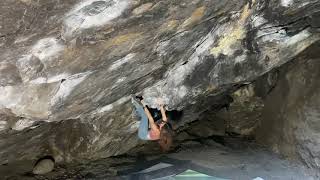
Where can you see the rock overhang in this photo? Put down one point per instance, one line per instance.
(91, 55)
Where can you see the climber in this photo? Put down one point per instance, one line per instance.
(149, 130)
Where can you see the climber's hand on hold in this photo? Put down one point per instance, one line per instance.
(163, 111)
(143, 103)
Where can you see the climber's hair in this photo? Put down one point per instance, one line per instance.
(166, 137)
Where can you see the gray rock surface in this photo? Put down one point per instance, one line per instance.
(290, 119)
(67, 68)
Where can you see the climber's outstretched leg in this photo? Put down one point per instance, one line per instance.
(144, 124)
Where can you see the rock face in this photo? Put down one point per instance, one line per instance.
(67, 68)
(291, 117)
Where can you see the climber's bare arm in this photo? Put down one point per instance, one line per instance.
(150, 118)
(163, 113)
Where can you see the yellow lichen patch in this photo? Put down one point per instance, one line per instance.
(69, 53)
(245, 14)
(211, 88)
(120, 39)
(169, 26)
(194, 18)
(232, 35)
(124, 38)
(224, 46)
(245, 92)
(143, 8)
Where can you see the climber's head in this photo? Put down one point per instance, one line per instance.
(166, 137)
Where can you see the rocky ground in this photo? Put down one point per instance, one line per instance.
(231, 158)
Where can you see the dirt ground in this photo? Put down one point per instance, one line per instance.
(229, 159)
(234, 160)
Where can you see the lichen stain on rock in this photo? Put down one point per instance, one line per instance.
(169, 26)
(211, 88)
(121, 39)
(243, 93)
(142, 9)
(69, 53)
(195, 17)
(232, 35)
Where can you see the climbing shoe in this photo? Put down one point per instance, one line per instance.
(135, 101)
